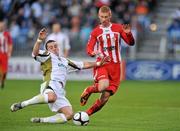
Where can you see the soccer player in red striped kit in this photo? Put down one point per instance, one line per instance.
(105, 41)
(5, 52)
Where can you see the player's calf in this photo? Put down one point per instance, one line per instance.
(84, 97)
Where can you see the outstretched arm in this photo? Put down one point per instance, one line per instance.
(86, 64)
(41, 37)
(103, 61)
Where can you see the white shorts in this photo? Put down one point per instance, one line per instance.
(58, 89)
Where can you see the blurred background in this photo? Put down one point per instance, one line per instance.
(149, 97)
(155, 26)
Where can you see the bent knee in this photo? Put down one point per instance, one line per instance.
(52, 97)
(67, 111)
(69, 115)
(103, 84)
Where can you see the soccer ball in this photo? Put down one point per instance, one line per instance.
(81, 118)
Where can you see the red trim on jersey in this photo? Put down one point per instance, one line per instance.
(92, 41)
(5, 41)
(101, 43)
(109, 41)
(108, 37)
(118, 47)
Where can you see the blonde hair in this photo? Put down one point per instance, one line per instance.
(104, 9)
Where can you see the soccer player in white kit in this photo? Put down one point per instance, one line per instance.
(52, 90)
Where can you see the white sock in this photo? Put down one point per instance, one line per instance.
(58, 118)
(39, 99)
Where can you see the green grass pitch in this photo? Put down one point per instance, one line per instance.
(137, 106)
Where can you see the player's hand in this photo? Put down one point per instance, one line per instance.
(104, 60)
(97, 53)
(42, 34)
(126, 28)
(93, 54)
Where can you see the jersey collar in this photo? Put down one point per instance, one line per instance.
(106, 27)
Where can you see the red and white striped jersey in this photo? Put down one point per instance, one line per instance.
(5, 41)
(106, 40)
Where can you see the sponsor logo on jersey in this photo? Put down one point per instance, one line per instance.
(110, 48)
(61, 65)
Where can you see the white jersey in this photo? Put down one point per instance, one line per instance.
(62, 41)
(55, 68)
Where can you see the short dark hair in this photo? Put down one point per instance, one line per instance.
(49, 41)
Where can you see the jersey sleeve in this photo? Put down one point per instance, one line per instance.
(91, 43)
(75, 64)
(127, 37)
(42, 56)
(9, 38)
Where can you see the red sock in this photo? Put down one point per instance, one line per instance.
(96, 107)
(93, 89)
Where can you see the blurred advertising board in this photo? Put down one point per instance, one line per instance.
(28, 68)
(153, 70)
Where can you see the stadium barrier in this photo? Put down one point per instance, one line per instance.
(153, 70)
(28, 68)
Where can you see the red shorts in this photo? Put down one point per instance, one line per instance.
(3, 62)
(111, 72)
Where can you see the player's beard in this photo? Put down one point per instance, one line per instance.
(105, 23)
